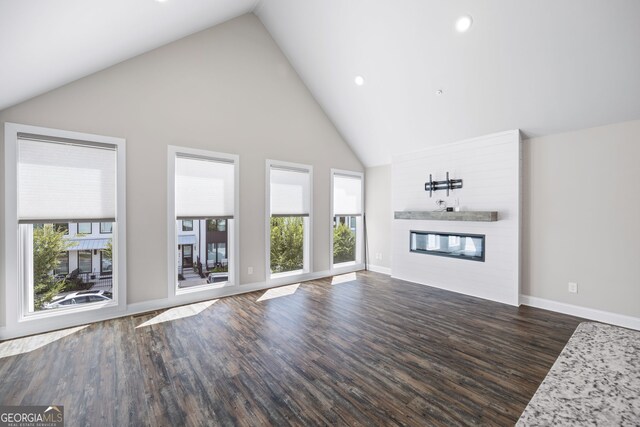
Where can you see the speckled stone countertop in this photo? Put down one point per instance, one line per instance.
(594, 382)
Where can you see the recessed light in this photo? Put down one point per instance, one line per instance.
(161, 1)
(463, 23)
(359, 80)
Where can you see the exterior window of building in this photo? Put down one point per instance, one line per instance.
(217, 225)
(61, 178)
(85, 261)
(63, 264)
(106, 228)
(347, 189)
(84, 228)
(205, 206)
(106, 266)
(62, 228)
(216, 255)
(289, 218)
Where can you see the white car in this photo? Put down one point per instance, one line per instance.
(81, 297)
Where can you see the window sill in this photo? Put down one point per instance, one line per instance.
(344, 264)
(275, 276)
(203, 288)
(70, 312)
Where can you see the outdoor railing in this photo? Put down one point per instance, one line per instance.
(103, 281)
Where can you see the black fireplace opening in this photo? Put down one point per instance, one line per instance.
(454, 245)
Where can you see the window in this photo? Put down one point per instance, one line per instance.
(84, 228)
(216, 255)
(106, 228)
(217, 225)
(63, 264)
(289, 196)
(85, 261)
(347, 235)
(106, 266)
(204, 194)
(63, 228)
(55, 178)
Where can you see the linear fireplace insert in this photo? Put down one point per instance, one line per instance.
(454, 245)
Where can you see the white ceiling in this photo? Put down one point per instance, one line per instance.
(543, 66)
(45, 44)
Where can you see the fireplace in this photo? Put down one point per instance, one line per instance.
(455, 245)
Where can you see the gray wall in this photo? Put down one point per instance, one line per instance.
(582, 217)
(378, 210)
(228, 89)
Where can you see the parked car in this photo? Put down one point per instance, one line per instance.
(81, 297)
(217, 277)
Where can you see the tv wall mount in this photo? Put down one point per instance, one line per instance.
(448, 184)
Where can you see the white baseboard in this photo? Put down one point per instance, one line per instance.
(578, 311)
(378, 269)
(163, 303)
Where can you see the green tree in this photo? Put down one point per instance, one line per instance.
(48, 243)
(287, 239)
(344, 244)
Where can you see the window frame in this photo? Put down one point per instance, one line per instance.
(90, 228)
(184, 228)
(18, 318)
(174, 293)
(103, 272)
(358, 264)
(106, 232)
(84, 251)
(66, 255)
(307, 258)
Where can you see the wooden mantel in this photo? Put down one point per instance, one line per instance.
(485, 216)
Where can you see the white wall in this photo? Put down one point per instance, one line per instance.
(227, 89)
(379, 215)
(490, 169)
(582, 218)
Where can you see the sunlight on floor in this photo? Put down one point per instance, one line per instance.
(282, 291)
(178, 313)
(28, 344)
(343, 278)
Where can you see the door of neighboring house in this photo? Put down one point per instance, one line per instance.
(187, 256)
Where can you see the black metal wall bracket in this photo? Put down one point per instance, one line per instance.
(448, 184)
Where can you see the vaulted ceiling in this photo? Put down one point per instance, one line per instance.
(544, 66)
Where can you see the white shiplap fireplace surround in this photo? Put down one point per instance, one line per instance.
(490, 167)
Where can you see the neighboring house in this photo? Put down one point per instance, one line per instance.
(203, 241)
(86, 254)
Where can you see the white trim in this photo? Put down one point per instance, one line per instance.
(233, 245)
(17, 316)
(378, 269)
(308, 229)
(163, 303)
(359, 230)
(585, 312)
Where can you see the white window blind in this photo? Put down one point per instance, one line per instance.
(347, 195)
(204, 188)
(60, 181)
(290, 192)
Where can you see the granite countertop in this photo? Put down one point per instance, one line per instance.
(594, 381)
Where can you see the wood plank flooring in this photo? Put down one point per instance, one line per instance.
(367, 351)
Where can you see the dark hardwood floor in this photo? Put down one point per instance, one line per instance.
(369, 351)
